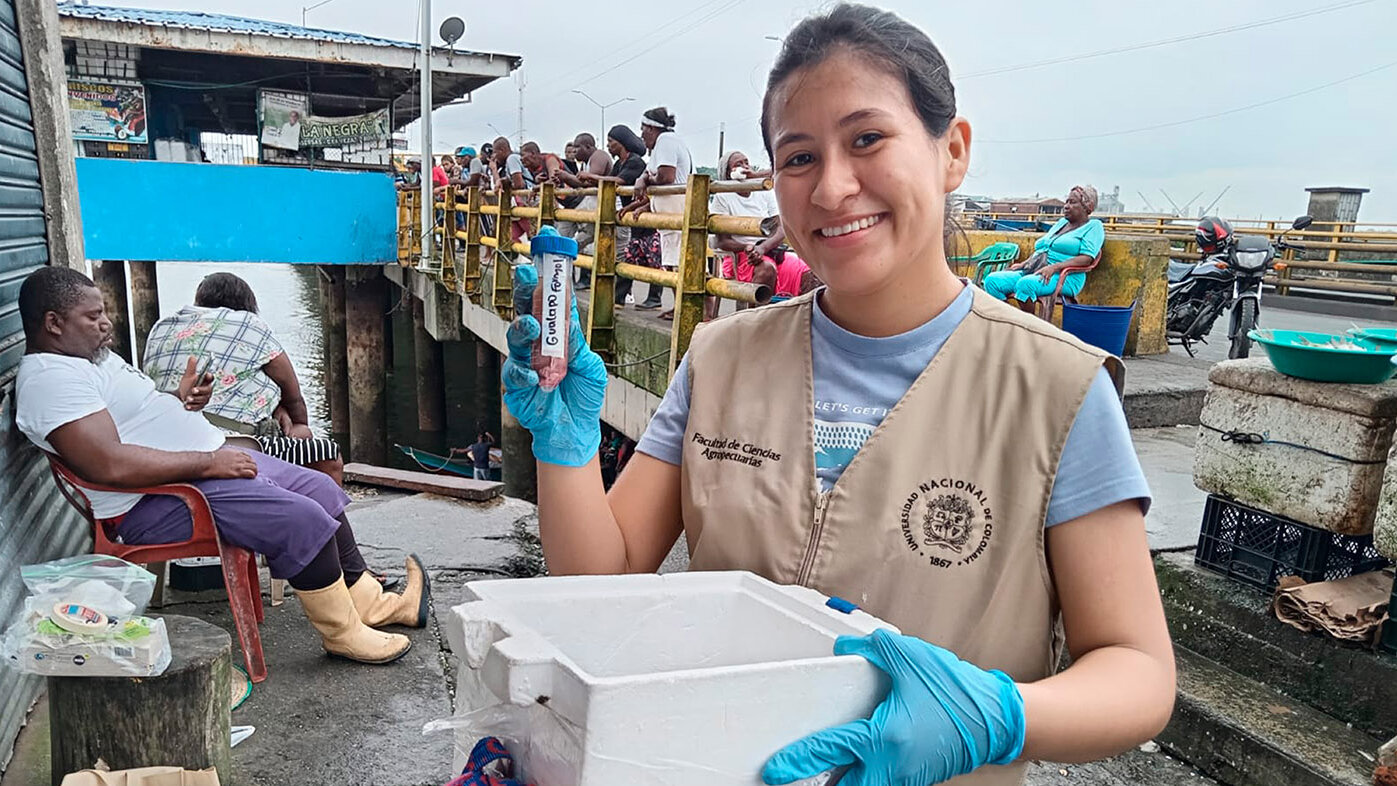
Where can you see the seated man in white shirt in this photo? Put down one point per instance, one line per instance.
(111, 427)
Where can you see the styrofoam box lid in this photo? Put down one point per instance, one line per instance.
(609, 628)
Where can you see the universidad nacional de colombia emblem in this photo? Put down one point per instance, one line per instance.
(948, 521)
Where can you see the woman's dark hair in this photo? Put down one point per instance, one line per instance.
(662, 116)
(225, 290)
(884, 40)
(628, 139)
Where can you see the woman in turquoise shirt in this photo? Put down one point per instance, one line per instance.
(1074, 240)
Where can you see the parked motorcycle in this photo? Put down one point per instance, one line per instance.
(1228, 277)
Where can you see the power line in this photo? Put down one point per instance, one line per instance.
(728, 6)
(623, 52)
(1175, 123)
(1136, 47)
(719, 11)
(1167, 41)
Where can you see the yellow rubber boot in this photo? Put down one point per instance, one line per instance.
(378, 608)
(342, 633)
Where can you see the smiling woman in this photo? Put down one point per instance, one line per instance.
(975, 521)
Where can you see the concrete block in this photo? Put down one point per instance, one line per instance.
(1352, 422)
(1258, 376)
(690, 679)
(1385, 522)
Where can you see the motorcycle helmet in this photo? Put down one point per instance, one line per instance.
(1213, 234)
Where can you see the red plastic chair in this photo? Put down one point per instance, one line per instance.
(1047, 304)
(239, 565)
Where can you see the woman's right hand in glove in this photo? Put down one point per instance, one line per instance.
(565, 421)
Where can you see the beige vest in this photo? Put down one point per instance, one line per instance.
(936, 526)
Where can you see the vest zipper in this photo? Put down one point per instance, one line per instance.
(816, 529)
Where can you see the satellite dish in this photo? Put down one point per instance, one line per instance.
(452, 29)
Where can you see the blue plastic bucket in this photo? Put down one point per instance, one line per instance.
(1101, 326)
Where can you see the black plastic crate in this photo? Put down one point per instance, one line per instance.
(1256, 548)
(196, 574)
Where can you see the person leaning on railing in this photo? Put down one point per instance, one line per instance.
(509, 166)
(844, 440)
(761, 260)
(670, 164)
(636, 245)
(593, 164)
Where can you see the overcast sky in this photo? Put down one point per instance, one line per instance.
(707, 61)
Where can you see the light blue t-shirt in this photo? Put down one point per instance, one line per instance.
(858, 379)
(1062, 244)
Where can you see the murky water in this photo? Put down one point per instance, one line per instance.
(288, 297)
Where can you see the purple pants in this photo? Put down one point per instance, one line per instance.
(287, 513)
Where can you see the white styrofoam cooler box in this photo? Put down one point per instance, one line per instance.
(687, 678)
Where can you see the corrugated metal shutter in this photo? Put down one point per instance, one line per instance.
(35, 523)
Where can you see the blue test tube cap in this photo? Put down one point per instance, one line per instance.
(548, 241)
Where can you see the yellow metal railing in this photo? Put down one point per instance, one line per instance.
(1331, 237)
(463, 271)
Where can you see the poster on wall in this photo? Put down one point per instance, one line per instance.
(107, 111)
(368, 128)
(283, 117)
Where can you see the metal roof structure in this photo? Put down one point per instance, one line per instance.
(197, 20)
(237, 49)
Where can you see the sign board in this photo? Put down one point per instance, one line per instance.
(343, 131)
(283, 117)
(107, 111)
(287, 124)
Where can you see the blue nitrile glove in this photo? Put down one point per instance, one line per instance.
(943, 717)
(565, 421)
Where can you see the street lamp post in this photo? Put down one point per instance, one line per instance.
(602, 107)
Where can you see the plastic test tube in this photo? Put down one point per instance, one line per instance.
(553, 256)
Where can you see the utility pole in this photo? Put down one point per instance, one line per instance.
(722, 129)
(428, 211)
(520, 143)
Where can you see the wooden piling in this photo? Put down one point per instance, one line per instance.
(520, 469)
(431, 385)
(336, 360)
(364, 296)
(485, 404)
(145, 304)
(110, 277)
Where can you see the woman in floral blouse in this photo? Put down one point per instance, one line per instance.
(256, 393)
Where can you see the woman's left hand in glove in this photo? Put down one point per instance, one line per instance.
(942, 718)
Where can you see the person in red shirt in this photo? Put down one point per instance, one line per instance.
(543, 166)
(440, 179)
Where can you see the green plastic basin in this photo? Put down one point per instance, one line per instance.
(1328, 357)
(1383, 336)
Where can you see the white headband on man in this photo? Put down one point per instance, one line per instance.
(645, 121)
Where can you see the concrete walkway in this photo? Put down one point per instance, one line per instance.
(325, 721)
(1166, 455)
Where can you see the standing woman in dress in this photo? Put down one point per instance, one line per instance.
(872, 465)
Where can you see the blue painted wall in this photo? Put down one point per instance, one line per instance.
(180, 212)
